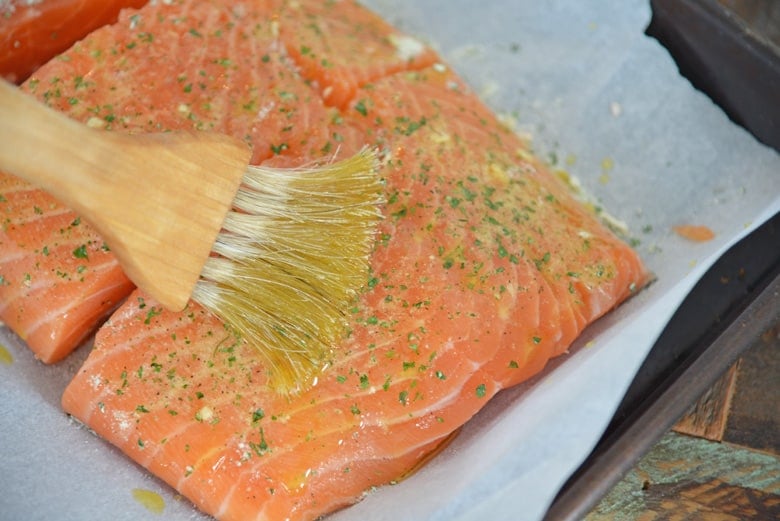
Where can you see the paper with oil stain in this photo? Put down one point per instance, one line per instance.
(602, 101)
(149, 499)
(5, 356)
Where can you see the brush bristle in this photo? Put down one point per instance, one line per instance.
(290, 260)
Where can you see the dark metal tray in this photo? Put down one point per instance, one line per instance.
(734, 57)
(729, 49)
(714, 325)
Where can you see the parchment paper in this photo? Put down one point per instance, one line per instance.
(602, 101)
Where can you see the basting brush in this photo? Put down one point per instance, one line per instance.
(277, 254)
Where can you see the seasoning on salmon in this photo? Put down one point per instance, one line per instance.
(57, 277)
(484, 267)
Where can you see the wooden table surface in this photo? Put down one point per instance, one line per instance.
(721, 462)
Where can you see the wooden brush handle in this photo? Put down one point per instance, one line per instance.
(158, 200)
(49, 149)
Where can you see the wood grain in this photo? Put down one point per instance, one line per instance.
(694, 479)
(754, 418)
(708, 416)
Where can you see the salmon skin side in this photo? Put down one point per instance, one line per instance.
(33, 32)
(484, 266)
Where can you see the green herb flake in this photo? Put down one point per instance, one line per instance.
(278, 149)
(481, 391)
(399, 214)
(80, 252)
(153, 312)
(260, 448)
(360, 106)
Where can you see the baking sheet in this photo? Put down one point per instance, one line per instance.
(602, 101)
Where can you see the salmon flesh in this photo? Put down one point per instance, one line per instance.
(484, 268)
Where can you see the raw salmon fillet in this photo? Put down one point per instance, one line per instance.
(32, 32)
(484, 268)
(57, 277)
(59, 281)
